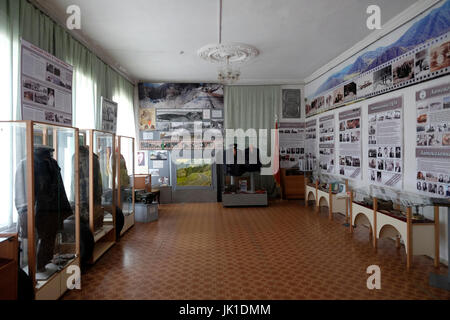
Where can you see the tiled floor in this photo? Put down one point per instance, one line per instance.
(284, 251)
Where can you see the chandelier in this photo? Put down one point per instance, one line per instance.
(229, 56)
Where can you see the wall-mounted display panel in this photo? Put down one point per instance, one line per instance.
(327, 143)
(350, 143)
(433, 140)
(385, 143)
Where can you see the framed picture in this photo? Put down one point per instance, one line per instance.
(291, 104)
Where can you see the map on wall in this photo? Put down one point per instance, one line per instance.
(417, 51)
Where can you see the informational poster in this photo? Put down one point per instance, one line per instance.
(310, 145)
(292, 145)
(350, 143)
(46, 86)
(386, 143)
(109, 115)
(326, 144)
(433, 141)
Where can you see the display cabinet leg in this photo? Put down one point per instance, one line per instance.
(409, 239)
(397, 242)
(436, 237)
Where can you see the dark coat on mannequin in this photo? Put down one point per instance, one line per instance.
(51, 204)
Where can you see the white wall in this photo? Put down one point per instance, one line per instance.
(409, 139)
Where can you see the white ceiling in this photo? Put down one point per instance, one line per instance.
(295, 37)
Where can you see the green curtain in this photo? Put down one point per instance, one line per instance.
(254, 107)
(92, 77)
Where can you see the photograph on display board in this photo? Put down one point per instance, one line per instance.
(109, 115)
(141, 158)
(181, 95)
(403, 70)
(440, 56)
(422, 63)
(147, 119)
(338, 95)
(412, 42)
(350, 91)
(382, 79)
(158, 155)
(177, 115)
(433, 140)
(364, 85)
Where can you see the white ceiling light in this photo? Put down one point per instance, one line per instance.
(228, 55)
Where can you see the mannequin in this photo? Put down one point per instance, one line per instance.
(51, 204)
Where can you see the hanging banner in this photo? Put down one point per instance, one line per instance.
(350, 143)
(433, 141)
(386, 143)
(46, 86)
(415, 52)
(292, 145)
(326, 144)
(310, 145)
(109, 115)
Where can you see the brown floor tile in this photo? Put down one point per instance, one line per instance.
(284, 251)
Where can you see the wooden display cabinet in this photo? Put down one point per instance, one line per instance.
(99, 199)
(45, 215)
(125, 180)
(292, 184)
(9, 248)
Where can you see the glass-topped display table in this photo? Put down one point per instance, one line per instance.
(361, 209)
(397, 215)
(331, 193)
(311, 185)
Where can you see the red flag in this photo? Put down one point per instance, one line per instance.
(276, 157)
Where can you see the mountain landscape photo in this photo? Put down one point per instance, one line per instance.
(434, 24)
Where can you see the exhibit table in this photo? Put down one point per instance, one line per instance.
(389, 214)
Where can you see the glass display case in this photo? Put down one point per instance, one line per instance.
(398, 215)
(97, 184)
(125, 180)
(40, 194)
